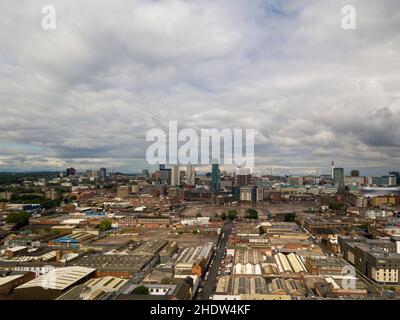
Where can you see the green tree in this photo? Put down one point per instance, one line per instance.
(251, 214)
(261, 230)
(141, 290)
(290, 217)
(334, 205)
(105, 225)
(232, 214)
(48, 204)
(198, 215)
(223, 215)
(20, 218)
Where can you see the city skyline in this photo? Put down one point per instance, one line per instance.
(287, 69)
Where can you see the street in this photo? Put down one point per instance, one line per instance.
(211, 281)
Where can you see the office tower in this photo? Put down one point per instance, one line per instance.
(70, 172)
(242, 176)
(161, 167)
(145, 172)
(165, 176)
(397, 175)
(355, 173)
(384, 181)
(215, 181)
(102, 173)
(190, 175)
(338, 177)
(332, 170)
(175, 177)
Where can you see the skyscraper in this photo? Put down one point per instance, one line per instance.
(190, 175)
(355, 173)
(175, 177)
(338, 177)
(333, 170)
(165, 176)
(102, 173)
(70, 172)
(215, 183)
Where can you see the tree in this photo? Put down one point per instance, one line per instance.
(141, 290)
(105, 225)
(223, 216)
(290, 217)
(261, 231)
(198, 215)
(251, 214)
(334, 205)
(20, 219)
(50, 204)
(232, 214)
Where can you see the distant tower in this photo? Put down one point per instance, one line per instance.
(190, 175)
(175, 178)
(333, 170)
(215, 183)
(355, 173)
(338, 177)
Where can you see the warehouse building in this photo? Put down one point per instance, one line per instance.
(10, 280)
(247, 261)
(94, 289)
(291, 263)
(232, 287)
(194, 259)
(53, 284)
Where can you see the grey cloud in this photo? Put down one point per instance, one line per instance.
(86, 93)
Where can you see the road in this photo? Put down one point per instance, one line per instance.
(211, 282)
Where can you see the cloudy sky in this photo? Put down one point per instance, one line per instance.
(85, 94)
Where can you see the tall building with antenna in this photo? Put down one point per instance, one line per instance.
(333, 170)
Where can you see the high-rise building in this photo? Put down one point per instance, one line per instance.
(333, 170)
(397, 175)
(190, 175)
(242, 176)
(102, 173)
(385, 181)
(175, 176)
(355, 173)
(165, 176)
(338, 177)
(215, 180)
(70, 172)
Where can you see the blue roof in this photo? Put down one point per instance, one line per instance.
(66, 239)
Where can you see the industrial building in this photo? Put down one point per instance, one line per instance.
(54, 283)
(247, 261)
(290, 263)
(232, 287)
(195, 259)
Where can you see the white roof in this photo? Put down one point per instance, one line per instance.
(60, 278)
(4, 280)
(72, 221)
(15, 249)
